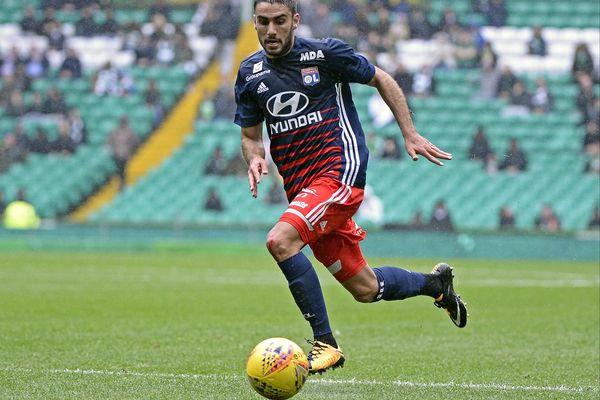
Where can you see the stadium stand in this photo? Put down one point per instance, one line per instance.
(174, 191)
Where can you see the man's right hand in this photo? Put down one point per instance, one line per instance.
(256, 168)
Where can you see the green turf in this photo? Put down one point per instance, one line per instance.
(174, 324)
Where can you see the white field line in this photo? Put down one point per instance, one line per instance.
(314, 381)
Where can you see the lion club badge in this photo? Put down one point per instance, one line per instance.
(310, 76)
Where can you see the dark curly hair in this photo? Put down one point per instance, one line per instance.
(291, 4)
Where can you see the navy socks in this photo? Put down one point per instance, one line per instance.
(306, 290)
(398, 284)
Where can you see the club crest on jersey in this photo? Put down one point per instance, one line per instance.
(310, 76)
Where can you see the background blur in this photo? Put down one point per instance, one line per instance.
(116, 124)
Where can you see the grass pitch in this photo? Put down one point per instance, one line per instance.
(179, 325)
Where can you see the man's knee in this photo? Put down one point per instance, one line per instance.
(365, 294)
(282, 244)
(363, 286)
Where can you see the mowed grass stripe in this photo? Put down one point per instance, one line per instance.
(313, 381)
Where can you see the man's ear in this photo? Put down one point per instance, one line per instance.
(296, 21)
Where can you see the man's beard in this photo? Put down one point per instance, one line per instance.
(286, 45)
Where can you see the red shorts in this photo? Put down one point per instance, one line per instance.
(322, 215)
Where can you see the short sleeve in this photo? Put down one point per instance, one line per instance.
(247, 113)
(352, 67)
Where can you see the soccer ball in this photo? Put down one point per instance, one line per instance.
(277, 368)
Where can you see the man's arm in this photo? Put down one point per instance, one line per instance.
(253, 151)
(395, 99)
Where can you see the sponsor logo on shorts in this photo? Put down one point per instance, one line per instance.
(323, 224)
(300, 204)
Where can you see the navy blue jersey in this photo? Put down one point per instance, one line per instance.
(306, 102)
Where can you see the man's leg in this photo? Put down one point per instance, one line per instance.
(285, 245)
(393, 283)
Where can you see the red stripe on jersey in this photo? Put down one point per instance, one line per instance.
(303, 160)
(304, 150)
(315, 171)
(299, 142)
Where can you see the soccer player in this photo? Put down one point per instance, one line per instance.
(300, 88)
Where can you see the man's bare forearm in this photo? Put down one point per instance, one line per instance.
(252, 145)
(394, 97)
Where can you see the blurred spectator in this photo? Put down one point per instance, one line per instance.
(536, 46)
(496, 13)
(391, 149)
(224, 101)
(56, 38)
(465, 49)
(48, 18)
(542, 99)
(424, 82)
(40, 143)
(217, 164)
(20, 214)
(10, 61)
(77, 128)
(506, 218)
(444, 53)
(591, 139)
(416, 222)
(276, 194)
(236, 165)
(547, 220)
(10, 85)
(506, 82)
(322, 25)
(583, 62)
(448, 20)
(520, 101)
(420, 27)
(153, 100)
(159, 7)
(379, 111)
(594, 222)
(515, 159)
(71, 66)
(491, 164)
(440, 218)
(21, 138)
(11, 152)
(586, 99)
(487, 56)
(37, 104)
(63, 143)
(182, 53)
(122, 143)
(29, 22)
(372, 208)
(54, 103)
(213, 201)
(86, 26)
(36, 64)
(112, 81)
(15, 107)
(489, 79)
(404, 78)
(145, 53)
(110, 26)
(480, 148)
